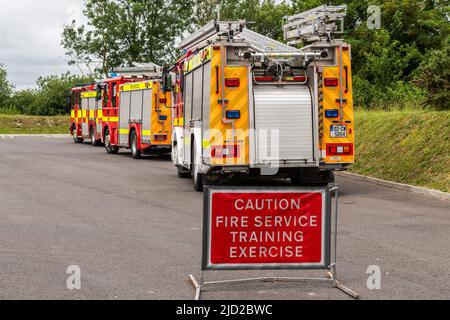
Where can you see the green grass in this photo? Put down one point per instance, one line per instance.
(21, 124)
(411, 147)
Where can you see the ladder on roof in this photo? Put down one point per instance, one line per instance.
(234, 30)
(317, 24)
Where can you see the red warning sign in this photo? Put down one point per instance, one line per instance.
(272, 229)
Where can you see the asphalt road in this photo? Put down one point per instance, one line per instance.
(134, 228)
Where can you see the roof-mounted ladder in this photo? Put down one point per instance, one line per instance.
(318, 24)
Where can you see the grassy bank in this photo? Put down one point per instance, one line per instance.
(410, 147)
(20, 124)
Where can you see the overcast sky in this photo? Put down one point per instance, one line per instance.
(30, 36)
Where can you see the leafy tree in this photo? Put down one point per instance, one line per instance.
(434, 75)
(125, 31)
(50, 96)
(5, 87)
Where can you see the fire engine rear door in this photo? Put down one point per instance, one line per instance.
(283, 116)
(147, 116)
(124, 117)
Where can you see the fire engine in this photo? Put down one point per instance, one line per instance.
(76, 119)
(92, 104)
(245, 104)
(140, 117)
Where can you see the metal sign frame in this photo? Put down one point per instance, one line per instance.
(325, 228)
(330, 267)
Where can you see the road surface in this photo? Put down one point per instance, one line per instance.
(134, 229)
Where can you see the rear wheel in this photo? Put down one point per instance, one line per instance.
(183, 173)
(75, 138)
(316, 178)
(198, 177)
(94, 142)
(135, 151)
(109, 148)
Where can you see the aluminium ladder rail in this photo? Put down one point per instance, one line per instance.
(257, 42)
(317, 24)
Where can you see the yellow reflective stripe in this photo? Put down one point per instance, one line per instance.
(91, 114)
(100, 114)
(181, 122)
(136, 86)
(89, 94)
(124, 131)
(72, 114)
(83, 113)
(146, 132)
(110, 119)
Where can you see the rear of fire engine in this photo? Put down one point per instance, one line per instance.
(142, 118)
(86, 114)
(248, 105)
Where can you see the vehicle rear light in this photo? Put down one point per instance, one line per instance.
(163, 100)
(229, 151)
(332, 113)
(331, 82)
(232, 82)
(262, 79)
(344, 149)
(296, 79)
(160, 137)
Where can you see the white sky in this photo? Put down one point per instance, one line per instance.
(30, 36)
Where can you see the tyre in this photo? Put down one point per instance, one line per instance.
(109, 148)
(196, 176)
(315, 179)
(75, 138)
(183, 173)
(135, 151)
(94, 142)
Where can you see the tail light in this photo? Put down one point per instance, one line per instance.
(297, 79)
(262, 79)
(344, 149)
(331, 113)
(331, 82)
(162, 100)
(230, 151)
(160, 137)
(232, 82)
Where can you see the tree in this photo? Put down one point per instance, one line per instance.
(5, 87)
(433, 75)
(265, 17)
(124, 31)
(50, 96)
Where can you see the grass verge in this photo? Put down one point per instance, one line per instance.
(21, 124)
(411, 147)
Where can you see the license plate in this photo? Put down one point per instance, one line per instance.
(339, 131)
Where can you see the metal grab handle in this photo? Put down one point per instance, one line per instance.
(346, 79)
(217, 79)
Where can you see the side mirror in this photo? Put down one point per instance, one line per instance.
(167, 83)
(68, 102)
(99, 92)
